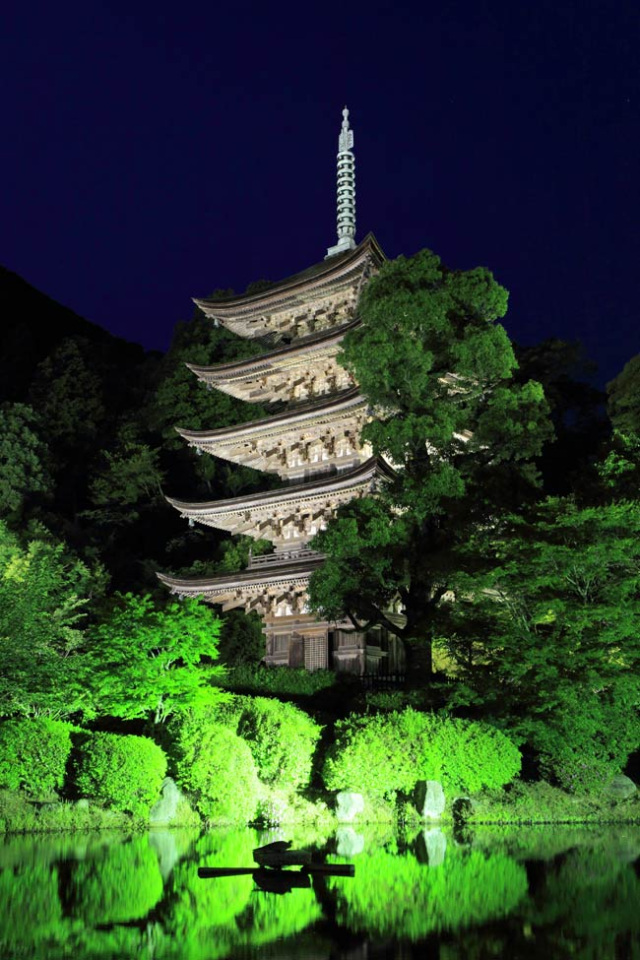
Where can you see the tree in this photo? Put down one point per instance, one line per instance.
(460, 433)
(69, 396)
(44, 595)
(129, 477)
(624, 398)
(23, 459)
(143, 661)
(576, 407)
(547, 641)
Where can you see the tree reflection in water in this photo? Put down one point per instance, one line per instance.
(517, 893)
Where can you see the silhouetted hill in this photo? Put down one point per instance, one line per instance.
(32, 325)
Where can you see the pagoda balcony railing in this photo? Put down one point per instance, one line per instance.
(283, 556)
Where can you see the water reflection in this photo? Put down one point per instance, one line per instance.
(520, 893)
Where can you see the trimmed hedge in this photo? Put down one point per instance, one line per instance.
(276, 681)
(216, 767)
(34, 755)
(282, 738)
(382, 754)
(124, 772)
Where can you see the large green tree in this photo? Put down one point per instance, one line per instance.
(547, 639)
(45, 592)
(147, 662)
(461, 434)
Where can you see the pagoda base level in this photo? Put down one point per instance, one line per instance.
(311, 645)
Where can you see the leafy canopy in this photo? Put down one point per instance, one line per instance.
(44, 595)
(384, 753)
(143, 660)
(547, 639)
(461, 434)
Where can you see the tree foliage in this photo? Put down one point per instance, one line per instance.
(461, 434)
(217, 768)
(44, 593)
(23, 458)
(143, 661)
(34, 755)
(124, 772)
(624, 398)
(547, 640)
(386, 753)
(282, 738)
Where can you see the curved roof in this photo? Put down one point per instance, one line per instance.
(320, 274)
(325, 486)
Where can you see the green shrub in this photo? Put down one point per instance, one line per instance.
(124, 772)
(385, 753)
(282, 738)
(277, 681)
(587, 741)
(34, 755)
(216, 767)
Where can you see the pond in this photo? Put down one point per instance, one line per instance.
(549, 892)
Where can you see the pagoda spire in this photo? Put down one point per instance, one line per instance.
(346, 190)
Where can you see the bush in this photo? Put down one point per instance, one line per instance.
(587, 741)
(34, 755)
(216, 767)
(282, 738)
(382, 754)
(278, 681)
(124, 772)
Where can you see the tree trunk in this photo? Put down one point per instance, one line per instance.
(419, 661)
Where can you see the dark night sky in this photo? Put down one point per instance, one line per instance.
(152, 152)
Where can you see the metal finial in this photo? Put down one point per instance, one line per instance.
(346, 189)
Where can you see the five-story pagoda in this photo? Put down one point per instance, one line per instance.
(314, 444)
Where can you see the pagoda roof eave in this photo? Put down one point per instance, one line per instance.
(266, 361)
(310, 411)
(318, 273)
(272, 573)
(334, 483)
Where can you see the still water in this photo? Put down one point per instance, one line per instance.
(525, 893)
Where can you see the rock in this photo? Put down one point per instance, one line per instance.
(621, 788)
(348, 842)
(82, 804)
(430, 799)
(348, 805)
(164, 811)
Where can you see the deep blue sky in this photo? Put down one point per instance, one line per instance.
(152, 152)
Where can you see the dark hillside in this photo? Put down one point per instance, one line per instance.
(32, 325)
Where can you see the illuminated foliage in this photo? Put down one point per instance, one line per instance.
(44, 591)
(384, 753)
(216, 767)
(459, 431)
(146, 661)
(34, 755)
(282, 738)
(124, 772)
(548, 641)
